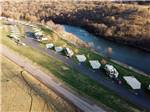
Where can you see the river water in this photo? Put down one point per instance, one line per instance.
(134, 57)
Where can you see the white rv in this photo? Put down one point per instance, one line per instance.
(111, 71)
(49, 46)
(68, 52)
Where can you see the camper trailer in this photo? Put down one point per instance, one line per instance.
(68, 52)
(111, 71)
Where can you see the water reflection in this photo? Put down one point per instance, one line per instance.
(132, 56)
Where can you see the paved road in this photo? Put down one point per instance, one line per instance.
(98, 75)
(48, 81)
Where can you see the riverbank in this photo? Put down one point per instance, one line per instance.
(123, 23)
(61, 40)
(120, 23)
(121, 53)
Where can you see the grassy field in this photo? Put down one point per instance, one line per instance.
(24, 93)
(73, 78)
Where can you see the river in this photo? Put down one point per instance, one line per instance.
(131, 56)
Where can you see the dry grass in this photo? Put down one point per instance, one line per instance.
(25, 93)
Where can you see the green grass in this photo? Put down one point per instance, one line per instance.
(81, 83)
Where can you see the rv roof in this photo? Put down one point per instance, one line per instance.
(58, 49)
(133, 82)
(81, 58)
(95, 64)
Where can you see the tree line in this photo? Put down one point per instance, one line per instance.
(126, 23)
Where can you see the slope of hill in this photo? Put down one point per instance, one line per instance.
(22, 93)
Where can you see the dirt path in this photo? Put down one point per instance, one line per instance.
(49, 82)
(23, 93)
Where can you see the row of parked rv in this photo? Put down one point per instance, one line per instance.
(110, 70)
(15, 34)
(67, 50)
(95, 64)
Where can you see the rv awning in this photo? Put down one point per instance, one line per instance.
(81, 58)
(49, 45)
(95, 64)
(58, 49)
(133, 82)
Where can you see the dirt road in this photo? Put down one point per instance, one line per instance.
(48, 81)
